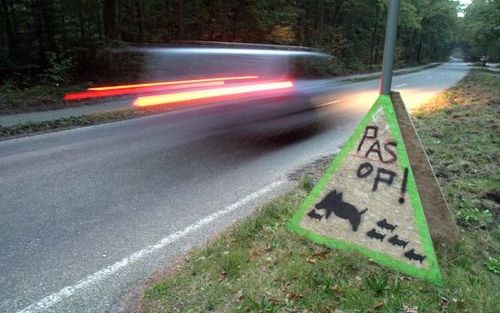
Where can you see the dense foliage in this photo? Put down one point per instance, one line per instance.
(56, 37)
(481, 29)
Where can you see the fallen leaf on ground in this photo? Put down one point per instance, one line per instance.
(376, 306)
(321, 255)
(239, 295)
(410, 309)
(336, 289)
(312, 260)
(292, 296)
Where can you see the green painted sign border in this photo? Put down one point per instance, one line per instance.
(431, 274)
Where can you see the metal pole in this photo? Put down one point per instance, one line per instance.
(389, 47)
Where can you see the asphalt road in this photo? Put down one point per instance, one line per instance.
(86, 213)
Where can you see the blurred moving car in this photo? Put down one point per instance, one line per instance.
(271, 112)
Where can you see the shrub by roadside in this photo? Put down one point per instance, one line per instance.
(259, 266)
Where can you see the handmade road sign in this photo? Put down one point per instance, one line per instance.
(368, 200)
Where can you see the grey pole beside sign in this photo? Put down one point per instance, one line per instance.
(389, 47)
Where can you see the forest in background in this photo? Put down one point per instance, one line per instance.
(64, 41)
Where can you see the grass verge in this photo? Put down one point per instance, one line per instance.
(34, 98)
(396, 73)
(459, 131)
(69, 122)
(258, 266)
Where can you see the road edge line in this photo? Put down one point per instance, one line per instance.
(68, 291)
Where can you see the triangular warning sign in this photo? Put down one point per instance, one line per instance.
(368, 201)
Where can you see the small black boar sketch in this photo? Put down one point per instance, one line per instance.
(411, 255)
(374, 235)
(395, 241)
(333, 203)
(313, 215)
(384, 225)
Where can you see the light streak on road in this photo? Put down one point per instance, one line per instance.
(210, 93)
(109, 91)
(236, 51)
(127, 91)
(175, 82)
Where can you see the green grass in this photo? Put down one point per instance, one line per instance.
(35, 98)
(69, 122)
(259, 266)
(460, 134)
(402, 72)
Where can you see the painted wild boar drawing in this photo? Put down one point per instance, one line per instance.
(333, 203)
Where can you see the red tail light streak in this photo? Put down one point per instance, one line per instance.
(210, 93)
(175, 82)
(135, 90)
(107, 91)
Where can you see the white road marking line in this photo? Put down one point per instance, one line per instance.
(68, 291)
(328, 103)
(401, 85)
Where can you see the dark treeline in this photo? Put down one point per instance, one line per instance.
(60, 36)
(481, 30)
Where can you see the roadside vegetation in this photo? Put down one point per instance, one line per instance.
(50, 47)
(396, 73)
(70, 122)
(259, 266)
(34, 98)
(459, 131)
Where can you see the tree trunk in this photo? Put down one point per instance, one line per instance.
(411, 53)
(338, 7)
(110, 17)
(62, 21)
(139, 6)
(98, 19)
(42, 55)
(12, 43)
(14, 19)
(419, 51)
(321, 16)
(302, 28)
(81, 20)
(225, 23)
(180, 19)
(48, 24)
(167, 20)
(374, 36)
